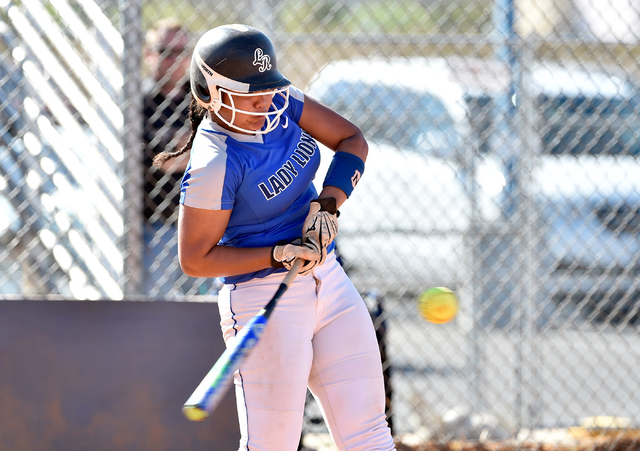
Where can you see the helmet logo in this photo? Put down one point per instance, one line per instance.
(204, 67)
(262, 60)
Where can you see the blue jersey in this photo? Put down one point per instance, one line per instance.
(265, 179)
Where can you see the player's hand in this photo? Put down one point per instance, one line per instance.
(284, 255)
(321, 226)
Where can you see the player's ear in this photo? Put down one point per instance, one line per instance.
(199, 84)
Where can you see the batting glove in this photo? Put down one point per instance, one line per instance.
(284, 255)
(321, 226)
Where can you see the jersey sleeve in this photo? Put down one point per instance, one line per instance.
(209, 179)
(296, 103)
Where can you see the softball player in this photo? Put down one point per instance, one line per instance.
(248, 210)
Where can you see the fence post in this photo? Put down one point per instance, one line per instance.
(131, 28)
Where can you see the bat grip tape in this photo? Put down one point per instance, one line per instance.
(293, 272)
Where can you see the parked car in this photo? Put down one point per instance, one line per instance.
(404, 228)
(444, 197)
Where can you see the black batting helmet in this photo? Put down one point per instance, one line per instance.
(239, 59)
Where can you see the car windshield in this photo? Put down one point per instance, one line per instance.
(397, 116)
(581, 125)
(566, 125)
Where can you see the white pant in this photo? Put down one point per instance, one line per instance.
(320, 335)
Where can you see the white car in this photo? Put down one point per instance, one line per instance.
(403, 230)
(443, 199)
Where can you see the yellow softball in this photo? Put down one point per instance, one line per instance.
(438, 305)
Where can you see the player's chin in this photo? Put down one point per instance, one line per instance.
(256, 123)
(249, 125)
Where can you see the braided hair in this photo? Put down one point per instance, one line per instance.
(196, 115)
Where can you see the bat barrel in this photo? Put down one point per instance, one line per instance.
(195, 413)
(209, 393)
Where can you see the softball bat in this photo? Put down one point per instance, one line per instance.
(206, 397)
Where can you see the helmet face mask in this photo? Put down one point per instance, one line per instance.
(272, 116)
(239, 61)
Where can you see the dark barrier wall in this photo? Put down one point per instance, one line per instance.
(108, 375)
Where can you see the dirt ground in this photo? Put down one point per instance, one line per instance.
(597, 443)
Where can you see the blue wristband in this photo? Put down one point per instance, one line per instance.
(344, 172)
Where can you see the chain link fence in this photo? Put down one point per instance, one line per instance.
(504, 164)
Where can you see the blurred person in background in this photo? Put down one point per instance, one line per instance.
(166, 127)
